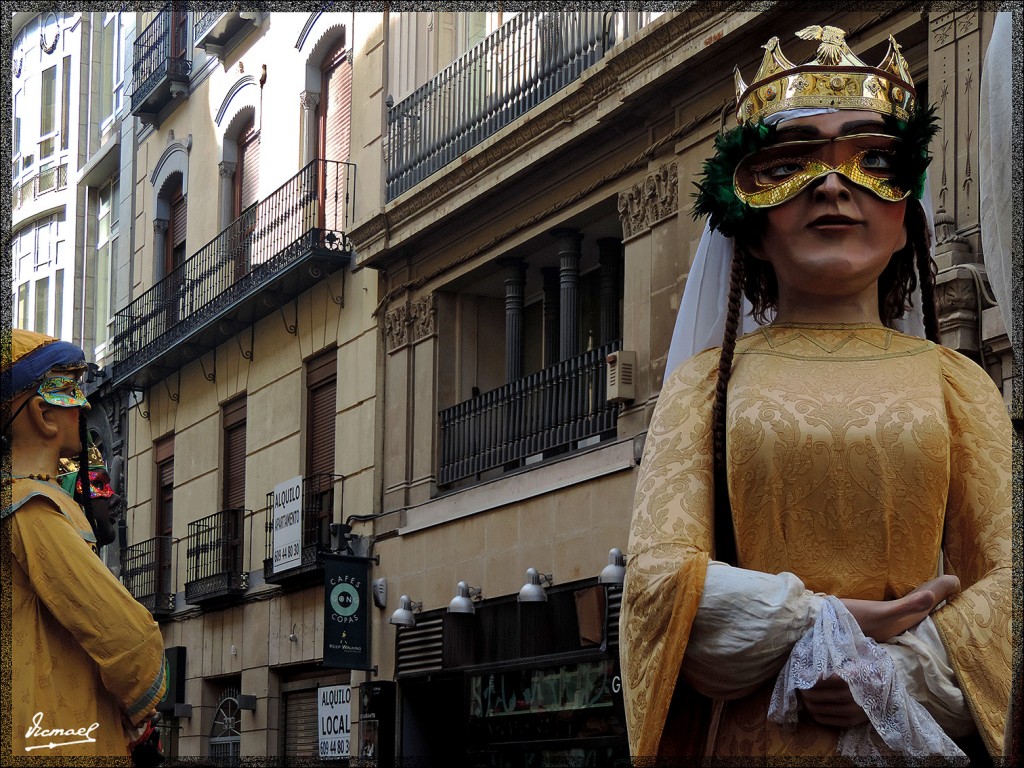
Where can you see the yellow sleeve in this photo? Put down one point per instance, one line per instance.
(975, 624)
(117, 632)
(669, 546)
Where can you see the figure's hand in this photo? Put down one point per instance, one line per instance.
(831, 703)
(883, 619)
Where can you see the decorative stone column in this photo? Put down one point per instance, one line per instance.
(569, 241)
(551, 315)
(310, 134)
(515, 284)
(226, 170)
(609, 254)
(159, 248)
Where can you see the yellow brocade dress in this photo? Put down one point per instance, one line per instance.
(84, 652)
(856, 457)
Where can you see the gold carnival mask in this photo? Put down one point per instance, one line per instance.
(778, 173)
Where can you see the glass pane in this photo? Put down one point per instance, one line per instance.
(23, 306)
(102, 292)
(42, 292)
(58, 303)
(48, 96)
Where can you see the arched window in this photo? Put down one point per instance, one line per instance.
(335, 106)
(226, 734)
(247, 173)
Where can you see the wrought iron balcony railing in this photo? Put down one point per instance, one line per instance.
(316, 517)
(550, 411)
(204, 22)
(514, 69)
(146, 571)
(216, 568)
(310, 211)
(158, 57)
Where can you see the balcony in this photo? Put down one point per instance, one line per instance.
(146, 573)
(47, 180)
(161, 67)
(524, 62)
(561, 408)
(317, 515)
(216, 568)
(218, 33)
(274, 251)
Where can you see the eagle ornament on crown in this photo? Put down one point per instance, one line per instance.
(835, 78)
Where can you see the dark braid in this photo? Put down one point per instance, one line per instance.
(926, 272)
(725, 540)
(83, 469)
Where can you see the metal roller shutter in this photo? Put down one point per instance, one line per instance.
(300, 727)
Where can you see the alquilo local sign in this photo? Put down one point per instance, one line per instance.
(334, 713)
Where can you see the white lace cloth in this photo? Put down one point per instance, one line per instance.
(897, 725)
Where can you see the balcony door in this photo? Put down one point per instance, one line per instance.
(321, 414)
(246, 194)
(164, 453)
(335, 129)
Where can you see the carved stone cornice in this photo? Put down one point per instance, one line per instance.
(309, 99)
(410, 323)
(423, 317)
(650, 201)
(396, 327)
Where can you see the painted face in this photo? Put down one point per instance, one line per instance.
(782, 171)
(833, 238)
(99, 481)
(63, 391)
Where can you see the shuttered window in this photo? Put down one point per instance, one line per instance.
(163, 451)
(247, 175)
(336, 106)
(234, 454)
(321, 397)
(176, 232)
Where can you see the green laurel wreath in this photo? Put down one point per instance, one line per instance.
(716, 199)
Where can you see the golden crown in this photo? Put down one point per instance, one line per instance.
(836, 77)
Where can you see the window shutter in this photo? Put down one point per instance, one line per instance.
(179, 221)
(249, 155)
(321, 383)
(337, 110)
(234, 454)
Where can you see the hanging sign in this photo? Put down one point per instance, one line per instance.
(287, 533)
(346, 612)
(334, 711)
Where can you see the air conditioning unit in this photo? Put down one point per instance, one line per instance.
(621, 379)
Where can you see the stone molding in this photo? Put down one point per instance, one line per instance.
(410, 323)
(650, 201)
